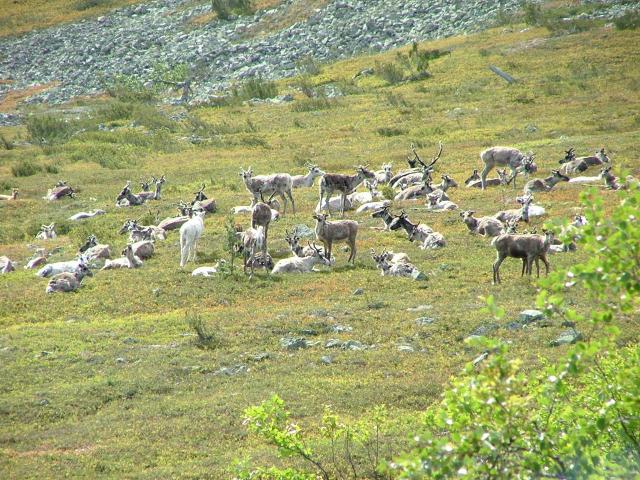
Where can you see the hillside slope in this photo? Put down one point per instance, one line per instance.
(110, 381)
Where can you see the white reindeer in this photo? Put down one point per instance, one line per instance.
(505, 157)
(190, 233)
(47, 232)
(298, 264)
(276, 184)
(383, 176)
(129, 260)
(299, 181)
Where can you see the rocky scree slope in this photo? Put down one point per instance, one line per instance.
(133, 39)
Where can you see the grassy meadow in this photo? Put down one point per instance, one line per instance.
(110, 382)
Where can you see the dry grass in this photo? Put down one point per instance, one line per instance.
(17, 17)
(13, 98)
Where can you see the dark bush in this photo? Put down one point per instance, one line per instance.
(257, 87)
(48, 129)
(629, 21)
(25, 168)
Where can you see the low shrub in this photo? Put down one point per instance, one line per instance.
(629, 21)
(390, 131)
(313, 104)
(257, 87)
(225, 8)
(25, 168)
(48, 129)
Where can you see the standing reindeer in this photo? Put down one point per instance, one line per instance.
(261, 217)
(345, 184)
(530, 248)
(276, 184)
(505, 157)
(251, 239)
(190, 233)
(341, 230)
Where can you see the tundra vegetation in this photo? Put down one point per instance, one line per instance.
(110, 380)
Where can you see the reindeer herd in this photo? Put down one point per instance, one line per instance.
(337, 192)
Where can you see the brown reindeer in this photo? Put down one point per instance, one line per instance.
(505, 157)
(341, 230)
(261, 217)
(530, 248)
(345, 184)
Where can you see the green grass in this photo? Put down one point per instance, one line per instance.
(113, 381)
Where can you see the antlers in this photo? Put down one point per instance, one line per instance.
(433, 160)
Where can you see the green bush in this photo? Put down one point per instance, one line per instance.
(390, 131)
(205, 338)
(48, 129)
(257, 87)
(313, 104)
(82, 5)
(532, 13)
(25, 168)
(128, 89)
(391, 72)
(224, 8)
(629, 21)
(6, 144)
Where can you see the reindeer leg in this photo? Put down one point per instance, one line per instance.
(483, 175)
(546, 264)
(293, 205)
(496, 269)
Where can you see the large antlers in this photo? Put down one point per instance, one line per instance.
(433, 160)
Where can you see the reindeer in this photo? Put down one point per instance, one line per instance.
(330, 232)
(426, 237)
(610, 180)
(276, 184)
(60, 267)
(504, 156)
(68, 281)
(128, 260)
(13, 196)
(423, 174)
(293, 240)
(261, 217)
(156, 194)
(142, 232)
(365, 197)
(384, 176)
(298, 181)
(190, 233)
(384, 214)
(59, 191)
(143, 249)
(298, 264)
(126, 198)
(92, 250)
(6, 265)
(505, 216)
(394, 269)
(47, 232)
(345, 184)
(487, 226)
(571, 164)
(89, 214)
(526, 247)
(545, 184)
(372, 206)
(202, 202)
(503, 179)
(251, 240)
(446, 184)
(436, 204)
(474, 177)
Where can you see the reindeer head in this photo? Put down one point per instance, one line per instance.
(528, 164)
(467, 214)
(159, 181)
(314, 170)
(398, 221)
(92, 241)
(82, 270)
(383, 212)
(128, 226)
(294, 242)
(387, 167)
(512, 226)
(364, 173)
(504, 177)
(199, 195)
(318, 254)
(448, 182)
(559, 176)
(570, 155)
(602, 156)
(320, 217)
(14, 192)
(246, 175)
(144, 184)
